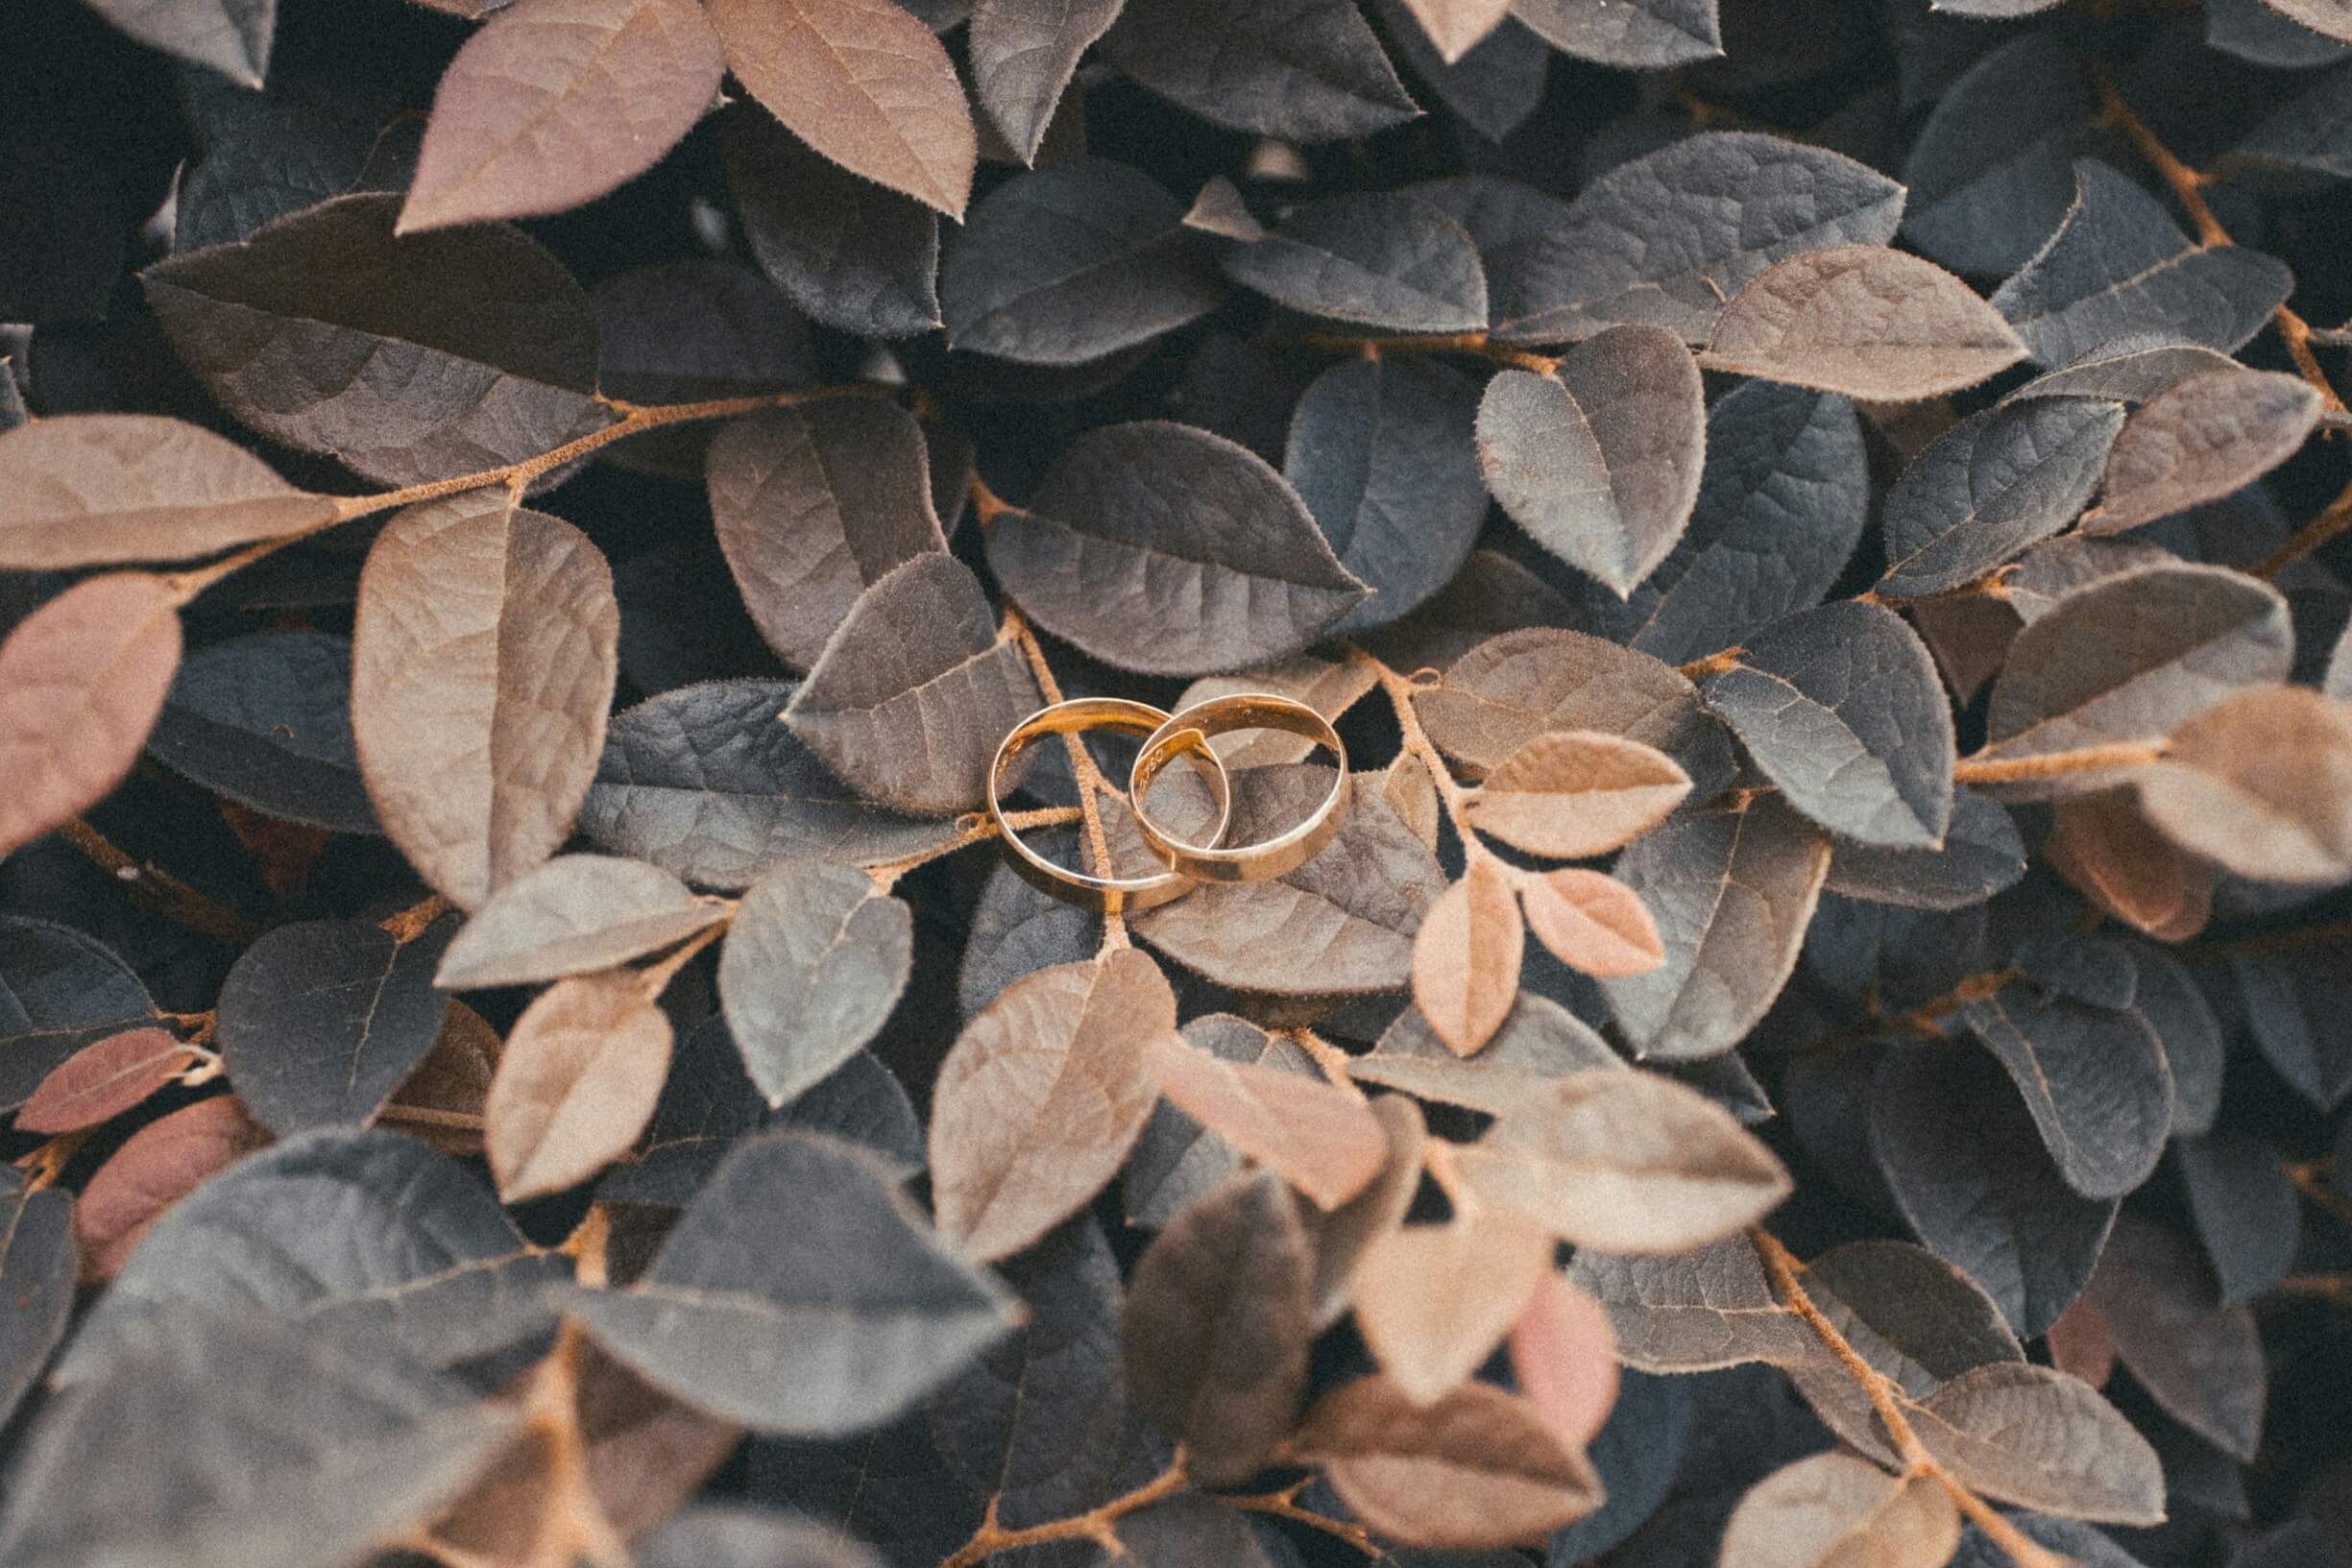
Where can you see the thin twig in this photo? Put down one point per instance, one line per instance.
(2054, 764)
(157, 889)
(1090, 781)
(1097, 1524)
(1284, 1505)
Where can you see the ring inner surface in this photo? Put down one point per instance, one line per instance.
(1242, 714)
(1076, 717)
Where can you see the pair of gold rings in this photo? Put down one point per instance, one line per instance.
(1167, 737)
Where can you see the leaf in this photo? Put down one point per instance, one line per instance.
(813, 963)
(576, 913)
(1341, 1237)
(442, 1100)
(555, 103)
(1841, 707)
(1492, 88)
(2174, 1006)
(1042, 1426)
(864, 83)
(1990, 486)
(697, 328)
(1380, 452)
(39, 1261)
(1164, 549)
(1066, 264)
(2247, 1211)
(2128, 369)
(1177, 1159)
(231, 36)
(914, 689)
(2105, 846)
(1862, 321)
(1664, 239)
(1322, 1139)
(1509, 689)
(1626, 1162)
(1645, 35)
(1456, 27)
(849, 252)
(320, 1021)
(1220, 1315)
(703, 782)
(1541, 1041)
(2201, 1361)
(1041, 1097)
(830, 1325)
(1023, 54)
(1433, 1301)
(1564, 1360)
(82, 679)
(1732, 893)
(1575, 793)
(1593, 923)
(2131, 657)
(1837, 1508)
(2034, 1436)
(325, 332)
(1466, 956)
(103, 1080)
(2203, 438)
(1600, 461)
(1992, 172)
(1304, 70)
(2298, 135)
(1382, 259)
(1982, 855)
(479, 715)
(1696, 1313)
(2325, 17)
(1641, 1451)
(2095, 1080)
(156, 1166)
(576, 1084)
(712, 1535)
(266, 720)
(2260, 783)
(813, 506)
(1479, 1468)
(100, 489)
(347, 1235)
(1967, 1170)
(2285, 1008)
(2119, 265)
(245, 1440)
(1341, 925)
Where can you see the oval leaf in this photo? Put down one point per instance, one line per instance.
(1593, 923)
(1837, 1508)
(1466, 956)
(2261, 785)
(1385, 259)
(1575, 793)
(104, 1079)
(1865, 322)
(1433, 1301)
(813, 963)
(1323, 1140)
(2201, 439)
(1991, 484)
(576, 913)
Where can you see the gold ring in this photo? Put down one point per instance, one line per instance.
(1190, 731)
(1111, 895)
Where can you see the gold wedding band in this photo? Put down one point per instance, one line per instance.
(1190, 731)
(1111, 895)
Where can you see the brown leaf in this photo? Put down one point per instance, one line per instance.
(1331, 686)
(1540, 1041)
(1835, 1511)
(1574, 793)
(1433, 1301)
(1697, 1311)
(555, 103)
(863, 83)
(1324, 1140)
(914, 690)
(576, 1084)
(157, 1165)
(1871, 323)
(91, 489)
(1407, 788)
(575, 913)
(2080, 1345)
(82, 679)
(813, 507)
(1341, 925)
(1563, 1358)
(327, 332)
(2201, 1361)
(1477, 1469)
(443, 1099)
(2114, 856)
(1341, 1235)
(2017, 1433)
(1592, 922)
(1466, 956)
(103, 1080)
(1626, 1162)
(2200, 439)
(2260, 785)
(1455, 27)
(483, 661)
(1041, 1097)
(1219, 1318)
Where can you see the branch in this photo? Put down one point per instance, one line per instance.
(1094, 1524)
(1432, 342)
(1089, 777)
(2054, 764)
(1886, 1401)
(155, 888)
(1398, 688)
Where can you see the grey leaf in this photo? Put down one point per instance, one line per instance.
(1646, 35)
(813, 963)
(1992, 172)
(2094, 1079)
(1385, 259)
(576, 913)
(1023, 55)
(2201, 439)
(1981, 855)
(1990, 486)
(38, 1260)
(266, 720)
(1863, 321)
(1304, 70)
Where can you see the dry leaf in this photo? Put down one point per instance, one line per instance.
(1573, 793)
(1563, 1358)
(576, 1084)
(1433, 1301)
(103, 1080)
(1324, 1140)
(1592, 922)
(1466, 956)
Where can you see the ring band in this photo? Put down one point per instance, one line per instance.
(1190, 731)
(1110, 895)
